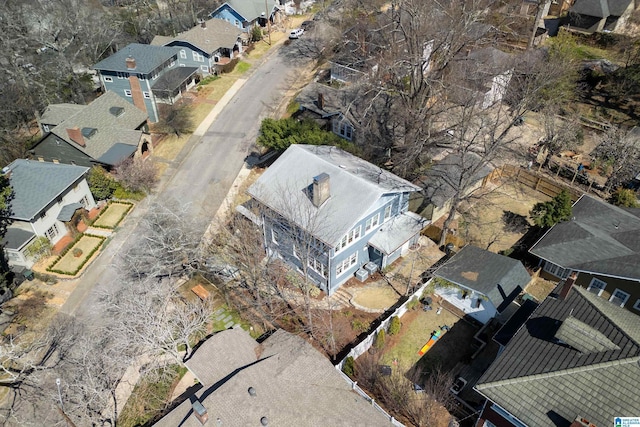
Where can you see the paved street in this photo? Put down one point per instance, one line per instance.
(201, 175)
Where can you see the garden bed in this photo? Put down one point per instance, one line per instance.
(112, 215)
(70, 262)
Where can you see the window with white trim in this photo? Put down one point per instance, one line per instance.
(372, 222)
(204, 68)
(317, 266)
(596, 286)
(274, 236)
(349, 238)
(619, 297)
(146, 95)
(346, 264)
(197, 57)
(296, 252)
(556, 270)
(183, 54)
(84, 201)
(343, 128)
(636, 306)
(108, 79)
(52, 232)
(127, 92)
(122, 75)
(387, 212)
(172, 63)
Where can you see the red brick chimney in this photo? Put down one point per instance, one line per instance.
(75, 134)
(203, 24)
(568, 284)
(131, 63)
(200, 412)
(320, 101)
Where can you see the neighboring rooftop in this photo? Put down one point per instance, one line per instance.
(498, 277)
(250, 9)
(55, 114)
(544, 380)
(208, 37)
(600, 238)
(334, 100)
(355, 187)
(16, 238)
(443, 179)
(284, 380)
(37, 184)
(147, 58)
(113, 122)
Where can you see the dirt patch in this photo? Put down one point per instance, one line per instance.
(499, 217)
(375, 297)
(539, 288)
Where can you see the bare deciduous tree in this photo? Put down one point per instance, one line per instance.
(136, 174)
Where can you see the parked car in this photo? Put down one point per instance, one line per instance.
(458, 385)
(295, 33)
(418, 388)
(307, 25)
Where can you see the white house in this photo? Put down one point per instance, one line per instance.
(46, 196)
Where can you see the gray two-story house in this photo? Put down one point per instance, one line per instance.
(245, 14)
(328, 213)
(146, 76)
(207, 46)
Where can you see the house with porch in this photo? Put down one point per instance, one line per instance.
(282, 381)
(590, 16)
(601, 245)
(47, 197)
(575, 362)
(329, 107)
(207, 46)
(481, 284)
(246, 14)
(328, 214)
(103, 133)
(147, 76)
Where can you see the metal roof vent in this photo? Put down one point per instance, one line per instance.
(264, 421)
(252, 391)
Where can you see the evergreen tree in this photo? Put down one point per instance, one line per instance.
(547, 214)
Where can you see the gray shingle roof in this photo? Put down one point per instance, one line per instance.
(598, 8)
(356, 186)
(147, 57)
(57, 113)
(67, 211)
(335, 100)
(443, 179)
(111, 129)
(601, 238)
(498, 277)
(294, 386)
(536, 375)
(397, 231)
(172, 79)
(216, 34)
(36, 184)
(15, 238)
(250, 9)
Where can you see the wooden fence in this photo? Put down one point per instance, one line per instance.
(538, 182)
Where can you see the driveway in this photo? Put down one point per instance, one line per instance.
(201, 176)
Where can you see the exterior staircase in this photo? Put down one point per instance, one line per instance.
(341, 299)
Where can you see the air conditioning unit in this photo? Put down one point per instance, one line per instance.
(371, 267)
(362, 274)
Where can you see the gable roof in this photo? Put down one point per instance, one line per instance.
(16, 238)
(249, 9)
(498, 277)
(294, 385)
(355, 185)
(597, 8)
(115, 121)
(537, 375)
(216, 34)
(147, 58)
(335, 100)
(600, 238)
(443, 179)
(55, 114)
(36, 184)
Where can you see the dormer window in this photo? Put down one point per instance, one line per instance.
(89, 132)
(116, 111)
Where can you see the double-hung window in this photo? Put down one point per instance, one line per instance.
(387, 212)
(317, 266)
(349, 238)
(596, 286)
(556, 270)
(372, 222)
(346, 264)
(619, 297)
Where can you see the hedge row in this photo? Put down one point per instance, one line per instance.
(88, 257)
(118, 221)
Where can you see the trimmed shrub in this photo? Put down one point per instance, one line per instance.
(348, 367)
(394, 325)
(101, 184)
(379, 341)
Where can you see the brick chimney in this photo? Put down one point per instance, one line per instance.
(200, 412)
(320, 101)
(203, 24)
(131, 62)
(75, 134)
(321, 189)
(568, 284)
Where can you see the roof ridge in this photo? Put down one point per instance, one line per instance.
(559, 373)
